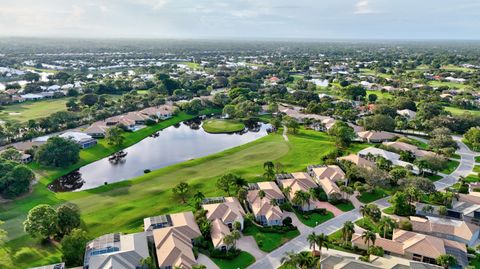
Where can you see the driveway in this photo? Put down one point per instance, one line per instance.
(248, 244)
(272, 259)
(202, 259)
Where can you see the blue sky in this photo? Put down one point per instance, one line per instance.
(255, 19)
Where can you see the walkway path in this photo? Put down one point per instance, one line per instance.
(272, 260)
(284, 134)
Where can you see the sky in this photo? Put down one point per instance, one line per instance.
(243, 19)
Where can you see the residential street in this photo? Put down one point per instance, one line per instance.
(272, 260)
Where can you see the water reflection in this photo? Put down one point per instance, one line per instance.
(170, 146)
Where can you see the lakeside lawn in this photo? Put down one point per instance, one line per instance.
(121, 207)
(450, 167)
(240, 262)
(222, 126)
(31, 110)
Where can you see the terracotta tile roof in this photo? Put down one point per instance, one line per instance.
(358, 161)
(457, 228)
(332, 172)
(217, 232)
(228, 211)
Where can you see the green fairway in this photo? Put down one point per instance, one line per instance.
(242, 261)
(30, 110)
(222, 126)
(122, 206)
(436, 83)
(370, 72)
(460, 111)
(452, 67)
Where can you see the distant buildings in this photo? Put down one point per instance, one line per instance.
(375, 136)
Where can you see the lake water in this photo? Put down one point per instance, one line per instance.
(172, 145)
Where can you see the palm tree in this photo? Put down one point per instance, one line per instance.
(239, 182)
(235, 236)
(198, 198)
(369, 236)
(298, 260)
(268, 165)
(386, 224)
(300, 198)
(261, 194)
(273, 202)
(364, 210)
(312, 240)
(347, 231)
(322, 241)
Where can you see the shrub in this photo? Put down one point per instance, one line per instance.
(230, 254)
(463, 189)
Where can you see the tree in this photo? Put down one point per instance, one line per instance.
(11, 154)
(225, 182)
(181, 191)
(298, 260)
(198, 198)
(347, 231)
(386, 225)
(446, 260)
(3, 235)
(198, 266)
(58, 152)
(442, 138)
(269, 170)
(355, 92)
(372, 98)
(322, 241)
(369, 236)
(312, 241)
(300, 198)
(343, 134)
(68, 218)
(89, 99)
(400, 204)
(114, 136)
(292, 125)
(379, 122)
(472, 136)
(41, 222)
(73, 247)
(14, 179)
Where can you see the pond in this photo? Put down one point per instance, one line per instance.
(172, 145)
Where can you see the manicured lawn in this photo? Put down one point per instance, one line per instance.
(388, 210)
(456, 156)
(433, 177)
(450, 167)
(436, 83)
(242, 261)
(367, 224)
(192, 65)
(121, 207)
(472, 178)
(476, 169)
(222, 126)
(415, 142)
(30, 110)
(313, 219)
(367, 197)
(345, 206)
(477, 159)
(370, 72)
(269, 241)
(460, 111)
(381, 95)
(452, 67)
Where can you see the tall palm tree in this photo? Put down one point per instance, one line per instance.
(269, 170)
(322, 241)
(261, 194)
(299, 260)
(369, 236)
(300, 198)
(312, 241)
(386, 225)
(347, 231)
(268, 165)
(198, 198)
(364, 210)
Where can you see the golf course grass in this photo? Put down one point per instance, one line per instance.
(32, 110)
(215, 126)
(121, 207)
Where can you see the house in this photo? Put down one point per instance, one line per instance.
(393, 157)
(97, 130)
(358, 161)
(82, 139)
(298, 182)
(116, 251)
(408, 147)
(137, 117)
(417, 247)
(160, 112)
(26, 158)
(266, 209)
(450, 229)
(218, 231)
(172, 236)
(123, 120)
(375, 136)
(327, 176)
(407, 113)
(51, 266)
(227, 209)
(350, 262)
(31, 97)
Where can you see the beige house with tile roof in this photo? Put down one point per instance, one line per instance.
(375, 136)
(228, 211)
(450, 229)
(264, 211)
(218, 231)
(173, 237)
(299, 181)
(408, 147)
(161, 112)
(417, 247)
(327, 176)
(358, 161)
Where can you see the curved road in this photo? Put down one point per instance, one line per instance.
(272, 259)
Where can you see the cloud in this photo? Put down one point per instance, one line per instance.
(154, 4)
(363, 7)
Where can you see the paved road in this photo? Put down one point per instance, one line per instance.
(272, 260)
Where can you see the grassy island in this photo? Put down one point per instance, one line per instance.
(222, 126)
